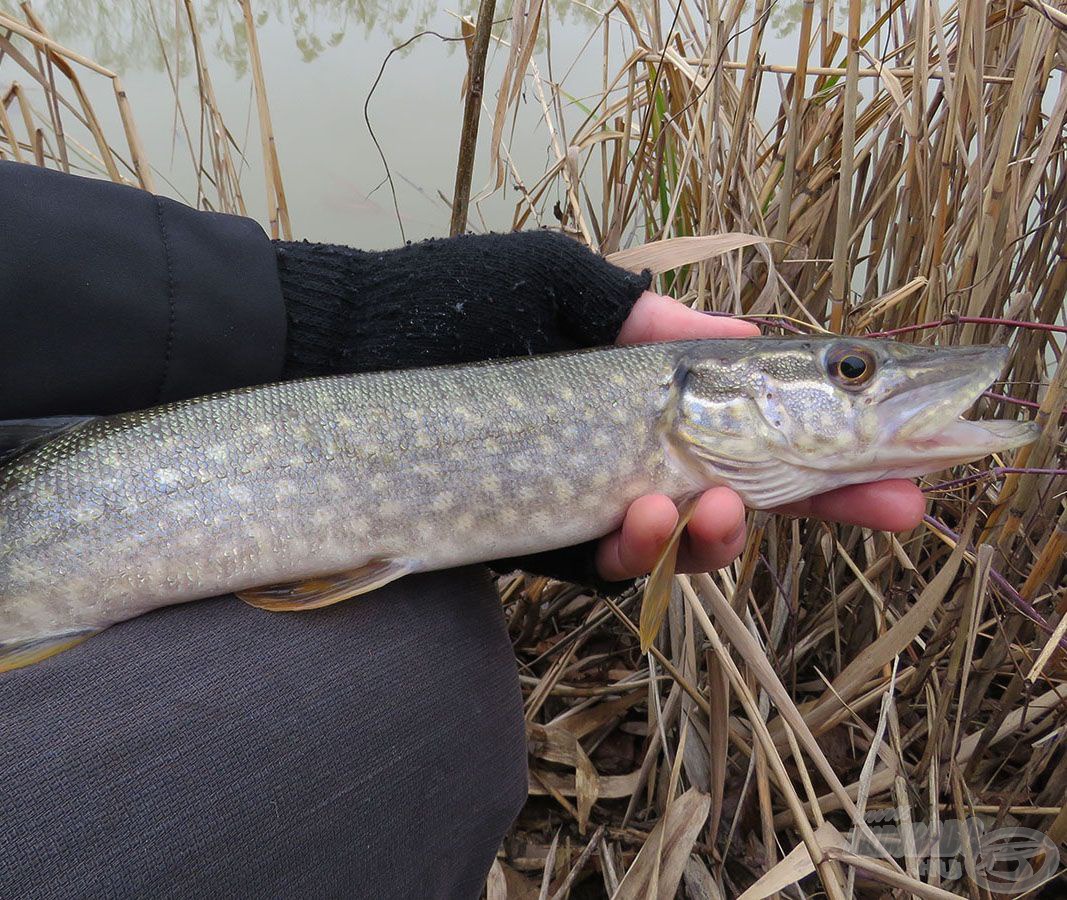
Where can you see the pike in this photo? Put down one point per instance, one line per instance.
(300, 494)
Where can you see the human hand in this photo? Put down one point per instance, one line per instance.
(715, 535)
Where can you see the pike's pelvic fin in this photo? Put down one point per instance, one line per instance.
(314, 593)
(16, 654)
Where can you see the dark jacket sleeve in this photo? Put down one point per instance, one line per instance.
(114, 299)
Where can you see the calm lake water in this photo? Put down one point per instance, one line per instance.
(321, 58)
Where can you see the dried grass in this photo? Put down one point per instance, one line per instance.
(912, 184)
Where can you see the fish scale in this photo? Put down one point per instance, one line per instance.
(331, 486)
(437, 467)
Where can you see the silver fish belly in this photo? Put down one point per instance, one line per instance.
(433, 468)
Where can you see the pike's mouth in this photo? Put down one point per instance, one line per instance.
(925, 414)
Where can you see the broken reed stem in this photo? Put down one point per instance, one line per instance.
(133, 138)
(472, 108)
(46, 43)
(277, 209)
(57, 51)
(842, 267)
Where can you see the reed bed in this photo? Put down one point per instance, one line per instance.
(903, 175)
(821, 716)
(64, 131)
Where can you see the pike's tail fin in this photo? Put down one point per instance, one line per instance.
(19, 653)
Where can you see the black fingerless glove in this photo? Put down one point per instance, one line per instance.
(449, 301)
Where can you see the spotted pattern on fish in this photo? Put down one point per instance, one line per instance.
(433, 468)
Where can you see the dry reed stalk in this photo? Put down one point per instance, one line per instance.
(472, 108)
(224, 172)
(277, 209)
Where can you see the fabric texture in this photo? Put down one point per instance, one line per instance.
(113, 299)
(371, 749)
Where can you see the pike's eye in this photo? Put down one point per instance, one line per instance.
(851, 367)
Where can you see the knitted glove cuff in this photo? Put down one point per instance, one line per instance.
(451, 300)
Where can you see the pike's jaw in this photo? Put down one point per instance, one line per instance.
(922, 418)
(963, 441)
(905, 422)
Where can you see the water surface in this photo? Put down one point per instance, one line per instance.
(321, 58)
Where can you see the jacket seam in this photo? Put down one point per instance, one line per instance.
(171, 301)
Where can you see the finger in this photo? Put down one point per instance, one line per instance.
(715, 535)
(658, 318)
(894, 505)
(634, 548)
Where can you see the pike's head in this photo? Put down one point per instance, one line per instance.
(783, 419)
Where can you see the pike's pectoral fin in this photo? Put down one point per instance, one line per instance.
(20, 653)
(314, 593)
